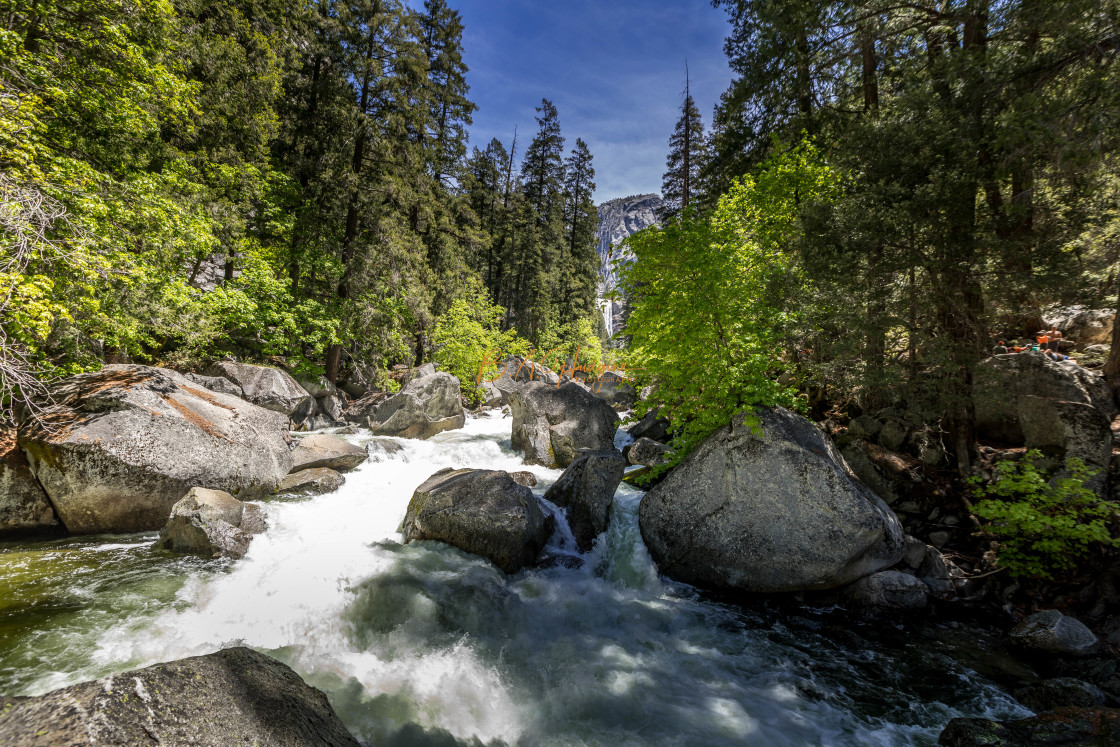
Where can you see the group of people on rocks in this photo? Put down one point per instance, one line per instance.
(1048, 341)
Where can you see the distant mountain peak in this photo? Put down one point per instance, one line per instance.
(618, 219)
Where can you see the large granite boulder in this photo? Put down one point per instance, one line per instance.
(1082, 325)
(1070, 727)
(121, 445)
(325, 450)
(586, 490)
(768, 510)
(314, 481)
(646, 452)
(514, 373)
(210, 523)
(652, 426)
(1051, 632)
(551, 424)
(1002, 379)
(233, 697)
(479, 511)
(1068, 430)
(424, 407)
(216, 384)
(24, 506)
(270, 388)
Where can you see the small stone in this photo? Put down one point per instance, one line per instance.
(939, 539)
(528, 479)
(1052, 632)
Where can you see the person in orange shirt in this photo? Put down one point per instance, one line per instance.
(1043, 340)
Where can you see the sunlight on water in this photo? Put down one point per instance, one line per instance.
(422, 641)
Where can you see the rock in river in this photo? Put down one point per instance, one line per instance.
(270, 388)
(586, 491)
(482, 512)
(424, 407)
(551, 424)
(24, 507)
(233, 697)
(212, 524)
(770, 510)
(1051, 632)
(325, 450)
(121, 445)
(316, 480)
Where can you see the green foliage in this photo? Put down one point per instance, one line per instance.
(468, 342)
(1043, 526)
(711, 296)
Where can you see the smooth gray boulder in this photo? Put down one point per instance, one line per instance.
(479, 511)
(1051, 632)
(1067, 430)
(770, 511)
(586, 491)
(1002, 379)
(424, 407)
(646, 452)
(551, 424)
(325, 450)
(267, 387)
(24, 506)
(1081, 324)
(211, 523)
(314, 481)
(121, 445)
(333, 406)
(233, 697)
(216, 384)
(887, 592)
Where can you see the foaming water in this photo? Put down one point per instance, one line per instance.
(419, 643)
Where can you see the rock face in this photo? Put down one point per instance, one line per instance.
(426, 406)
(1002, 379)
(770, 512)
(551, 424)
(215, 384)
(646, 452)
(1072, 727)
(586, 491)
(270, 388)
(479, 511)
(24, 507)
(617, 220)
(235, 696)
(315, 481)
(1051, 632)
(1082, 325)
(212, 524)
(323, 450)
(1066, 430)
(123, 444)
(886, 592)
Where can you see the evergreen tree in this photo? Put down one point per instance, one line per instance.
(578, 267)
(687, 154)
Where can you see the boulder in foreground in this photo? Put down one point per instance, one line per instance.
(121, 445)
(479, 511)
(325, 450)
(586, 491)
(772, 511)
(233, 697)
(424, 407)
(550, 424)
(212, 524)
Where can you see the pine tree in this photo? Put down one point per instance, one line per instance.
(578, 265)
(687, 154)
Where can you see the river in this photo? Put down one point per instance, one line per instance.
(425, 645)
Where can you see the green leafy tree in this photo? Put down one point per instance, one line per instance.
(688, 153)
(1044, 526)
(468, 342)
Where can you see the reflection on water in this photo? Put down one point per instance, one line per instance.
(424, 644)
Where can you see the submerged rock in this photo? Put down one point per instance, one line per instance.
(1052, 632)
(479, 511)
(123, 444)
(426, 406)
(586, 491)
(270, 388)
(24, 506)
(380, 449)
(768, 511)
(316, 481)
(324, 450)
(235, 696)
(212, 524)
(1072, 727)
(551, 424)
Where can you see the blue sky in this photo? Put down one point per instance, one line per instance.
(614, 69)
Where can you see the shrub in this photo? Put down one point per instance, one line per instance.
(1043, 526)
